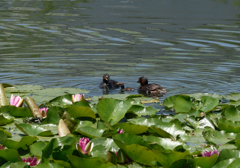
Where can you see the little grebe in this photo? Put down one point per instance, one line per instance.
(109, 84)
(149, 88)
(126, 89)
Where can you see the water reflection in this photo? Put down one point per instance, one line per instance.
(177, 44)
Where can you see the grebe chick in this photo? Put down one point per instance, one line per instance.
(126, 89)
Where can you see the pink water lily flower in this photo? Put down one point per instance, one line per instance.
(77, 97)
(16, 101)
(84, 145)
(120, 131)
(2, 147)
(43, 111)
(31, 161)
(210, 153)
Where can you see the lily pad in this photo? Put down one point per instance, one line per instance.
(4, 119)
(231, 113)
(17, 111)
(131, 128)
(142, 110)
(80, 111)
(206, 162)
(183, 104)
(112, 110)
(90, 131)
(218, 137)
(34, 130)
(86, 162)
(23, 143)
(228, 125)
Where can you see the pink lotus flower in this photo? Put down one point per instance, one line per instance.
(2, 147)
(16, 101)
(120, 131)
(43, 111)
(31, 161)
(210, 153)
(84, 145)
(77, 97)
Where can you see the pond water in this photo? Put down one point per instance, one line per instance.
(186, 46)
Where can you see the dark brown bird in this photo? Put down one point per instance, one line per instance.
(146, 88)
(123, 89)
(108, 84)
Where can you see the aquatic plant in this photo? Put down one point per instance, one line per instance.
(209, 153)
(43, 111)
(31, 161)
(16, 101)
(84, 145)
(170, 135)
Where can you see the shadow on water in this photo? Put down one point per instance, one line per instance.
(186, 46)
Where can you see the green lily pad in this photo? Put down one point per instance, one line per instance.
(86, 162)
(228, 125)
(131, 128)
(208, 103)
(90, 131)
(231, 113)
(183, 104)
(112, 110)
(49, 165)
(167, 143)
(4, 119)
(10, 155)
(233, 96)
(206, 162)
(129, 139)
(230, 163)
(169, 101)
(166, 159)
(142, 110)
(53, 115)
(226, 154)
(61, 101)
(80, 111)
(17, 111)
(23, 143)
(35, 130)
(36, 148)
(186, 163)
(218, 137)
(137, 153)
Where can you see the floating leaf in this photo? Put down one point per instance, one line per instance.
(23, 143)
(208, 103)
(228, 125)
(80, 111)
(231, 113)
(206, 162)
(183, 104)
(90, 131)
(218, 137)
(34, 130)
(166, 159)
(86, 162)
(17, 111)
(131, 128)
(142, 110)
(112, 110)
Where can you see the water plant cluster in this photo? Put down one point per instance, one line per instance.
(70, 130)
